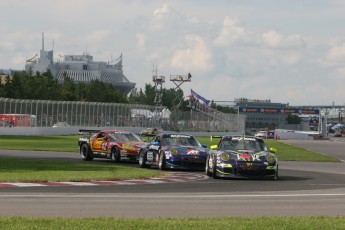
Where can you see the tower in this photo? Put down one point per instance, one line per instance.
(158, 81)
(178, 80)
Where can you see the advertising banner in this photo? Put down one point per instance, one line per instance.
(278, 110)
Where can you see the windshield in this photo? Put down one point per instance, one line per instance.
(124, 137)
(236, 145)
(182, 140)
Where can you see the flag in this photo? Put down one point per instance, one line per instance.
(194, 94)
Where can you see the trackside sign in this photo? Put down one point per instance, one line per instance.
(278, 110)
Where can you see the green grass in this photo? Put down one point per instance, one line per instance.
(40, 143)
(239, 223)
(20, 170)
(285, 152)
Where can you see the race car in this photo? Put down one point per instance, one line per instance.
(173, 151)
(240, 156)
(117, 145)
(151, 131)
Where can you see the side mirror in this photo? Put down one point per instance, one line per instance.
(272, 150)
(214, 147)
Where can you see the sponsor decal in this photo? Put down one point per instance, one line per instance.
(179, 135)
(243, 138)
(154, 147)
(288, 110)
(244, 156)
(129, 147)
(249, 164)
(192, 152)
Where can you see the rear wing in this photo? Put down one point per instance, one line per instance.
(215, 136)
(88, 132)
(147, 137)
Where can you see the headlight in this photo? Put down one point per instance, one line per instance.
(174, 152)
(271, 159)
(225, 156)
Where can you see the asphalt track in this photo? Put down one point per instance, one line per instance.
(303, 189)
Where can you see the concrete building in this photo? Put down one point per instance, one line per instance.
(80, 68)
(264, 114)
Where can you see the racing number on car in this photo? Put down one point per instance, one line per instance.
(104, 145)
(150, 156)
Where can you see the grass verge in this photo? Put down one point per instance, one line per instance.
(20, 170)
(40, 143)
(267, 223)
(285, 152)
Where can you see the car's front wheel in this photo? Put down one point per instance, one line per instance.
(115, 155)
(214, 168)
(207, 167)
(161, 162)
(143, 159)
(86, 153)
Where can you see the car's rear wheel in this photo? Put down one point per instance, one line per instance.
(214, 167)
(161, 162)
(207, 167)
(85, 152)
(143, 159)
(115, 155)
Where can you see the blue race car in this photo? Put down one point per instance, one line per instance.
(239, 156)
(173, 151)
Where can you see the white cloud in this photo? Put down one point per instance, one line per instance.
(194, 57)
(341, 73)
(337, 53)
(141, 40)
(230, 33)
(161, 15)
(291, 58)
(273, 39)
(6, 45)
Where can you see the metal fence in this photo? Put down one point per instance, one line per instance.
(46, 113)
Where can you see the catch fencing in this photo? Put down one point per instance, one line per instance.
(47, 113)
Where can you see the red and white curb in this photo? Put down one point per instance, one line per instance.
(172, 177)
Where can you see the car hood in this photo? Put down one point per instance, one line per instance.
(187, 150)
(246, 155)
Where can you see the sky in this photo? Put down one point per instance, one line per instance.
(284, 51)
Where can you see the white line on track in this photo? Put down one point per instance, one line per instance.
(172, 196)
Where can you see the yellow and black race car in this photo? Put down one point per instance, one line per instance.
(242, 156)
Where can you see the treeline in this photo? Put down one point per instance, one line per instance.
(45, 87)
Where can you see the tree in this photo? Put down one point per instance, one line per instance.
(294, 119)
(68, 89)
